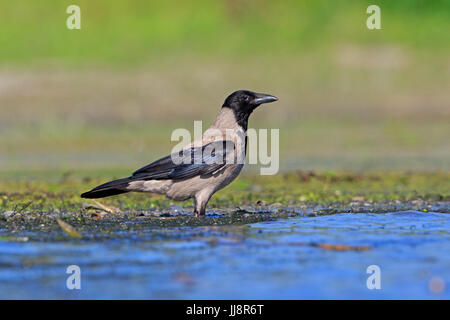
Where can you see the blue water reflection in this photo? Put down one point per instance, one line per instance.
(269, 260)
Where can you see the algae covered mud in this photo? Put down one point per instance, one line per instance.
(292, 236)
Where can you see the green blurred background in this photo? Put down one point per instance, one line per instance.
(109, 95)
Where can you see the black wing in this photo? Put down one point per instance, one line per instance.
(189, 163)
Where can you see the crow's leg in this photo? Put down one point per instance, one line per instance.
(200, 201)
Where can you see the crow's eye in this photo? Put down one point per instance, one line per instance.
(246, 98)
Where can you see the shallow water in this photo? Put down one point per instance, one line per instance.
(269, 260)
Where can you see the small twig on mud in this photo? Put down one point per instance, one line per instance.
(340, 247)
(97, 205)
(15, 211)
(26, 205)
(68, 229)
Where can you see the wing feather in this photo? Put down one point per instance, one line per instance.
(190, 162)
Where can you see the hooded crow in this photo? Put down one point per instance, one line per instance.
(201, 168)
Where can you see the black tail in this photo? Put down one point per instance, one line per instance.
(111, 188)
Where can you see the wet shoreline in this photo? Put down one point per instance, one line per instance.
(313, 256)
(99, 225)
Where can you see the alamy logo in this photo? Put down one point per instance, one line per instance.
(74, 280)
(374, 280)
(229, 146)
(74, 20)
(374, 20)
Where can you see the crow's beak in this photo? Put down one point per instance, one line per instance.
(263, 98)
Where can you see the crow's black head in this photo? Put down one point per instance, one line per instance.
(243, 102)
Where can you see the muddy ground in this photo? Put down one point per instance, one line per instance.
(31, 209)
